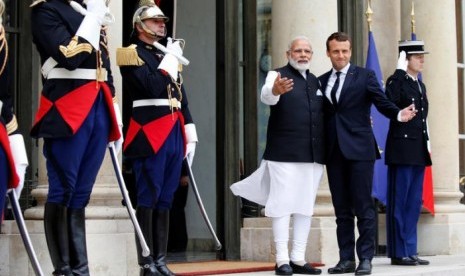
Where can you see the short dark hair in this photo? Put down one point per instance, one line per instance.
(338, 36)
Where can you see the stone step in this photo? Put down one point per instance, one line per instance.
(443, 265)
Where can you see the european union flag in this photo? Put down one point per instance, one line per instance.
(380, 126)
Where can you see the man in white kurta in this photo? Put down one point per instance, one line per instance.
(287, 180)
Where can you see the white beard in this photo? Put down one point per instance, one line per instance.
(299, 66)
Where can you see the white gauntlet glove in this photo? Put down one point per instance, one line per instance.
(170, 63)
(93, 21)
(402, 62)
(118, 143)
(192, 139)
(18, 150)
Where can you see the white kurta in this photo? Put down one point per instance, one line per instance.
(284, 188)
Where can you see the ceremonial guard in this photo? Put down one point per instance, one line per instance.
(13, 158)
(77, 117)
(160, 132)
(407, 156)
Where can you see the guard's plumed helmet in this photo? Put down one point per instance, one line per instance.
(147, 9)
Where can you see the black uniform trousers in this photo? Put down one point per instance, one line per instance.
(350, 182)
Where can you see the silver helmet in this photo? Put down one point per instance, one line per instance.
(147, 9)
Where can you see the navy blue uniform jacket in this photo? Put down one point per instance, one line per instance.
(143, 82)
(406, 143)
(54, 24)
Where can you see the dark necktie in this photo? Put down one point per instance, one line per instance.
(334, 89)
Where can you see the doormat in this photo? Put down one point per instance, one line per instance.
(219, 267)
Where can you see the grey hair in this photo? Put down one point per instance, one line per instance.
(300, 37)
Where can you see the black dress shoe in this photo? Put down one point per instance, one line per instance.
(346, 266)
(285, 269)
(403, 261)
(364, 267)
(419, 261)
(305, 269)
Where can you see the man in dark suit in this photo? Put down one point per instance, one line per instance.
(352, 150)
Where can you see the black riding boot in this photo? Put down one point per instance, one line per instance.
(77, 241)
(147, 266)
(161, 221)
(56, 234)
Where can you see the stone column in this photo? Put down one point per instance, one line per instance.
(315, 19)
(110, 235)
(435, 25)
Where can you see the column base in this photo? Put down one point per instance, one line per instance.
(441, 234)
(257, 242)
(110, 246)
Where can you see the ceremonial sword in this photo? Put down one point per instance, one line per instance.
(200, 203)
(127, 200)
(24, 233)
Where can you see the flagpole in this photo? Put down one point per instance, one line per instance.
(369, 13)
(412, 18)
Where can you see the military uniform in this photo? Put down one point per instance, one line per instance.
(155, 140)
(407, 156)
(8, 126)
(76, 119)
(160, 111)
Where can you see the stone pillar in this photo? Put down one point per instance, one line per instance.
(110, 234)
(315, 19)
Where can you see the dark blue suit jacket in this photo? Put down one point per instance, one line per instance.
(350, 122)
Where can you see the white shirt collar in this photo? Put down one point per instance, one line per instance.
(413, 78)
(343, 70)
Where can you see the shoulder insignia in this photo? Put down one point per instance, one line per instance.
(12, 126)
(74, 48)
(36, 2)
(128, 56)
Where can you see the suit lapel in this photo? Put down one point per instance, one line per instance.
(351, 74)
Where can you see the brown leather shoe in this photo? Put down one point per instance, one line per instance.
(305, 269)
(346, 266)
